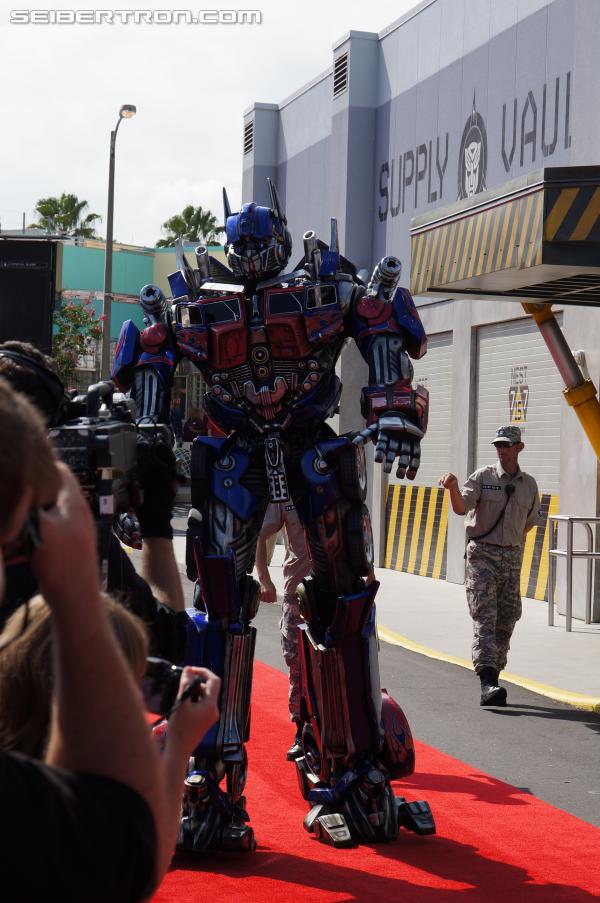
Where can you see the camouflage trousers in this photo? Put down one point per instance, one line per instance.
(289, 643)
(494, 597)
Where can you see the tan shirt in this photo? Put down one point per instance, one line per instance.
(484, 496)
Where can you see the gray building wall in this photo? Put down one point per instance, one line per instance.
(523, 72)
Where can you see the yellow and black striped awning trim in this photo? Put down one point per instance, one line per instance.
(502, 236)
(416, 528)
(572, 214)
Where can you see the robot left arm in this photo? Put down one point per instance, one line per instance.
(145, 361)
(388, 331)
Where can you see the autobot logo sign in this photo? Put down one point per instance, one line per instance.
(518, 395)
(472, 156)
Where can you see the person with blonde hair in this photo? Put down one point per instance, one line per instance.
(26, 682)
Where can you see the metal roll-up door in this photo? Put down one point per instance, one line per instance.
(518, 384)
(417, 511)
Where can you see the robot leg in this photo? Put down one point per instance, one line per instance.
(356, 739)
(220, 638)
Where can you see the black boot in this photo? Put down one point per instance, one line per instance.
(491, 693)
(295, 750)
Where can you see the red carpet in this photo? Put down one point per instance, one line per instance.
(494, 843)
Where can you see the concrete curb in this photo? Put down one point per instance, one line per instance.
(577, 700)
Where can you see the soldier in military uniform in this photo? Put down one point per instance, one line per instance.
(501, 503)
(283, 516)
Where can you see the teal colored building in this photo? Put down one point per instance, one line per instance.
(83, 276)
(80, 277)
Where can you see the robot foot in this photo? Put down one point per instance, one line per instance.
(359, 807)
(416, 817)
(210, 821)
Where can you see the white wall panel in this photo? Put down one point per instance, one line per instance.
(518, 383)
(434, 371)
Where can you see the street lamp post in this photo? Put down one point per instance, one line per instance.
(126, 112)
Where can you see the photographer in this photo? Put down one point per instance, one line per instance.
(162, 607)
(98, 819)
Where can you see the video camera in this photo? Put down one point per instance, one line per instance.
(99, 445)
(98, 439)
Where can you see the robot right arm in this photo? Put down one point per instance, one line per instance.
(145, 361)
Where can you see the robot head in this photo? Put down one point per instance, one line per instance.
(258, 242)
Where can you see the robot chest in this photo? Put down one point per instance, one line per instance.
(225, 332)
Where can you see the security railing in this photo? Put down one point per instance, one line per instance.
(570, 554)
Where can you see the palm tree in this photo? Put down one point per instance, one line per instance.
(192, 224)
(66, 214)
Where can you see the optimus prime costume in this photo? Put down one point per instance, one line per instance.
(266, 345)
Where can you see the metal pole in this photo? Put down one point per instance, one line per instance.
(580, 393)
(589, 576)
(551, 566)
(107, 296)
(569, 610)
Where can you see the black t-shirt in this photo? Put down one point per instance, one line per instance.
(72, 837)
(167, 630)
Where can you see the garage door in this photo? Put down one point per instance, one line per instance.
(518, 383)
(417, 512)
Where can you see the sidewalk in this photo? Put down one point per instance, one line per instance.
(431, 617)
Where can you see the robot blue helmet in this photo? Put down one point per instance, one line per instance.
(251, 222)
(258, 242)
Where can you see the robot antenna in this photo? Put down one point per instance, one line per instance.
(226, 206)
(275, 202)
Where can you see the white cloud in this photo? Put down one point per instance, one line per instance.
(63, 87)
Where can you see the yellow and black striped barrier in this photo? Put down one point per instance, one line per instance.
(416, 528)
(534, 571)
(416, 537)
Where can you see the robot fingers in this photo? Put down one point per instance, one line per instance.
(404, 458)
(365, 435)
(414, 461)
(392, 451)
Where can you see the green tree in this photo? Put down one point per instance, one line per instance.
(192, 224)
(77, 330)
(66, 214)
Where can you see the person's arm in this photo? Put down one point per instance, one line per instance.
(186, 727)
(268, 592)
(98, 724)
(159, 569)
(535, 517)
(450, 482)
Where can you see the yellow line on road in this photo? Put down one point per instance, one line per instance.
(578, 700)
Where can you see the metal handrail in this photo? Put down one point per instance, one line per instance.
(569, 554)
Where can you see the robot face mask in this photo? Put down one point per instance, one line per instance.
(258, 243)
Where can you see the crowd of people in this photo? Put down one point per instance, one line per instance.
(85, 793)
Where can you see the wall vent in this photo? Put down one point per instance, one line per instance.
(249, 137)
(340, 75)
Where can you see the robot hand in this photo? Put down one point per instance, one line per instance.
(397, 437)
